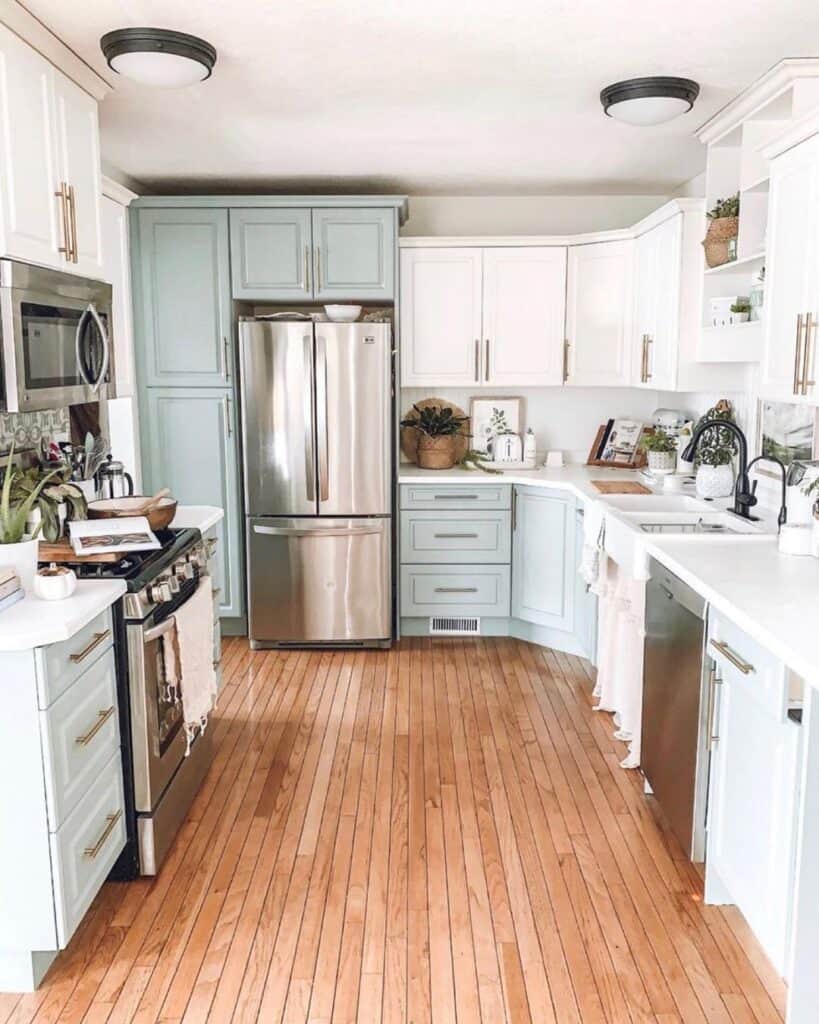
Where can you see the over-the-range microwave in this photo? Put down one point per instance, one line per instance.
(56, 347)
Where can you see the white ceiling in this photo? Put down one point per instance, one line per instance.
(427, 96)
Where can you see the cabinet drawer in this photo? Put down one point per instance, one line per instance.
(741, 658)
(442, 537)
(58, 665)
(80, 735)
(455, 590)
(83, 851)
(460, 496)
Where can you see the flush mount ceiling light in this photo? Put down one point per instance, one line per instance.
(158, 56)
(646, 101)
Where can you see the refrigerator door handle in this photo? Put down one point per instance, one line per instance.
(321, 419)
(309, 421)
(329, 531)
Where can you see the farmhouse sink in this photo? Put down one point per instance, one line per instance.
(694, 524)
(656, 503)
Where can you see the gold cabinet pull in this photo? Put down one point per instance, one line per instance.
(102, 718)
(642, 359)
(797, 356)
(486, 364)
(648, 342)
(92, 646)
(810, 327)
(736, 660)
(91, 851)
(65, 219)
(565, 360)
(72, 207)
(477, 360)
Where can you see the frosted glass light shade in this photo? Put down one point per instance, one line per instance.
(649, 101)
(158, 57)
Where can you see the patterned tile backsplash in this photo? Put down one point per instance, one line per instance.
(26, 429)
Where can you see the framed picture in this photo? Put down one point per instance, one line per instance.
(787, 432)
(492, 416)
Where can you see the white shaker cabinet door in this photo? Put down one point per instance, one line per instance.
(29, 214)
(655, 333)
(78, 160)
(599, 314)
(441, 317)
(524, 310)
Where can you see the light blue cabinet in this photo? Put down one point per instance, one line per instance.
(449, 537)
(354, 254)
(189, 445)
(543, 553)
(183, 321)
(271, 254)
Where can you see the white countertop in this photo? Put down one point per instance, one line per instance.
(35, 623)
(774, 597)
(197, 517)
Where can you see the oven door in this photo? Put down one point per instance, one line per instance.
(157, 732)
(57, 347)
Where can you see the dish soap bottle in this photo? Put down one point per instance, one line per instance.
(530, 447)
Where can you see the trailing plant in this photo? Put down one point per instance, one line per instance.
(15, 510)
(58, 489)
(658, 441)
(435, 421)
(717, 445)
(741, 307)
(725, 208)
(477, 460)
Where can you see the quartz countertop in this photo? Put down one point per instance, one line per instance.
(36, 623)
(197, 517)
(772, 596)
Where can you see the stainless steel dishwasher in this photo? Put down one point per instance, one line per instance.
(676, 695)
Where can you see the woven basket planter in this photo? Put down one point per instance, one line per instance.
(436, 452)
(720, 232)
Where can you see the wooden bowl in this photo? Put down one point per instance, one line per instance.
(159, 518)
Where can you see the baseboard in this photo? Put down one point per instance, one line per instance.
(556, 639)
(235, 626)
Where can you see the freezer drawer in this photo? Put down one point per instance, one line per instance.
(319, 581)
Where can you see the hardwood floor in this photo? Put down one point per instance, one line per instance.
(440, 833)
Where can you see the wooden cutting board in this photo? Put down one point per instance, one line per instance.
(62, 552)
(620, 487)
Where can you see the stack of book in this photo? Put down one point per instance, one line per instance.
(10, 590)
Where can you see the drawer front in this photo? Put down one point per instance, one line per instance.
(445, 537)
(455, 590)
(83, 851)
(742, 659)
(456, 496)
(58, 665)
(80, 735)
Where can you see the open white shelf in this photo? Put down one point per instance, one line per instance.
(738, 343)
(746, 261)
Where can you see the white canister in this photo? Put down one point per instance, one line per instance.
(795, 538)
(55, 583)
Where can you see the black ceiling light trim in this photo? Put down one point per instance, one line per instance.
(645, 88)
(159, 40)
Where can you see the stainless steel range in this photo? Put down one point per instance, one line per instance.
(163, 781)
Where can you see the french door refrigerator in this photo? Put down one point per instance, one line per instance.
(317, 431)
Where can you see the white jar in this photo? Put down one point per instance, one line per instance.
(55, 583)
(715, 481)
(662, 462)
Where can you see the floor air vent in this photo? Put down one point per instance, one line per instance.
(442, 625)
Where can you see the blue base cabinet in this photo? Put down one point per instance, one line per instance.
(190, 445)
(543, 553)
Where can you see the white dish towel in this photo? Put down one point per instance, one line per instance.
(188, 651)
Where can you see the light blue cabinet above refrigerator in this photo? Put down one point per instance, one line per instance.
(354, 254)
(271, 254)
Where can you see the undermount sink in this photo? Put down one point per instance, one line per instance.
(656, 503)
(696, 524)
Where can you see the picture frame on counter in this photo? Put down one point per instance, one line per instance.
(489, 417)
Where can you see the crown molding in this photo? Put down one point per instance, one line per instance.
(119, 193)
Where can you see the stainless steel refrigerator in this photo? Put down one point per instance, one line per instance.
(317, 430)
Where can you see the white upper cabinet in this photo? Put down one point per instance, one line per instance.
(524, 309)
(792, 289)
(440, 317)
(49, 164)
(656, 305)
(599, 314)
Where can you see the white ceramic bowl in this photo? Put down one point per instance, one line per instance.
(343, 314)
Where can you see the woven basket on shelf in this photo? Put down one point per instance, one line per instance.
(721, 230)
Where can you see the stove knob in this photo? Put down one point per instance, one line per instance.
(160, 593)
(173, 584)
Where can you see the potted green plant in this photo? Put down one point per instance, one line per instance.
(723, 228)
(740, 312)
(437, 428)
(17, 549)
(57, 501)
(715, 453)
(661, 449)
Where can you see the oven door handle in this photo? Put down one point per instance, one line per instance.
(156, 632)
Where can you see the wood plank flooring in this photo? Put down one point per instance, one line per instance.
(437, 833)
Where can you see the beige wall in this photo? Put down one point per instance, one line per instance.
(524, 215)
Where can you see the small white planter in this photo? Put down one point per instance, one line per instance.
(22, 558)
(739, 318)
(662, 462)
(715, 481)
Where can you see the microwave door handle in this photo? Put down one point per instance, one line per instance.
(78, 346)
(106, 346)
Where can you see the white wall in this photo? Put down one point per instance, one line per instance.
(524, 215)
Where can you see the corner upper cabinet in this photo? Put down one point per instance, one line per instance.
(543, 573)
(271, 254)
(182, 297)
(354, 254)
(524, 308)
(441, 317)
(599, 314)
(189, 444)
